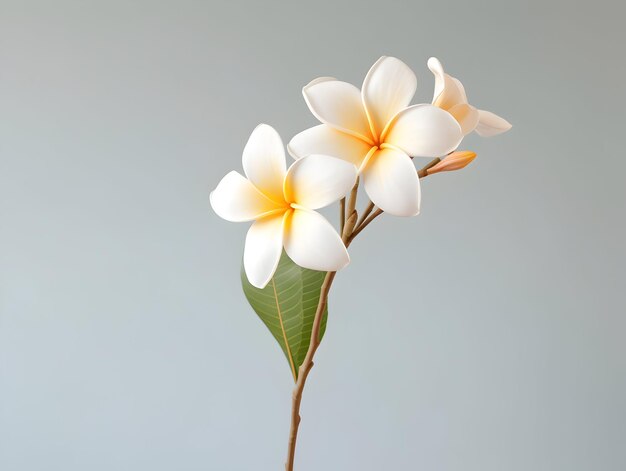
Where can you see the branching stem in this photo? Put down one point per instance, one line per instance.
(364, 223)
(366, 212)
(350, 228)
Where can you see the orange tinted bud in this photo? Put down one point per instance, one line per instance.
(454, 161)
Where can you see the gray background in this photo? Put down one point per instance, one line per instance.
(486, 334)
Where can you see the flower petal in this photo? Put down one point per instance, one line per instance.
(236, 199)
(326, 140)
(339, 105)
(264, 161)
(491, 124)
(318, 180)
(437, 69)
(388, 88)
(425, 131)
(264, 244)
(448, 90)
(392, 183)
(466, 115)
(320, 80)
(312, 242)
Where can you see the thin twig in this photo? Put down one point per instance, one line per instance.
(305, 369)
(423, 172)
(342, 214)
(352, 200)
(366, 213)
(348, 221)
(365, 223)
(350, 229)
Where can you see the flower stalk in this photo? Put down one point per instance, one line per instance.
(350, 230)
(305, 369)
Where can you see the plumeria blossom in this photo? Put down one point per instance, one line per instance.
(450, 96)
(377, 130)
(282, 204)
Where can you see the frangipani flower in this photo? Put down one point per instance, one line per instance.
(282, 204)
(378, 131)
(450, 96)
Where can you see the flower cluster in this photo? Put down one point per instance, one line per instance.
(373, 134)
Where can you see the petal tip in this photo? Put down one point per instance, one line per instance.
(490, 124)
(346, 261)
(316, 81)
(434, 65)
(256, 283)
(342, 262)
(263, 126)
(292, 152)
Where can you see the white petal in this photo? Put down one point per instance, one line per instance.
(264, 244)
(425, 131)
(236, 199)
(459, 87)
(264, 161)
(392, 183)
(311, 242)
(388, 88)
(437, 69)
(326, 140)
(318, 180)
(320, 80)
(491, 124)
(448, 90)
(339, 105)
(466, 115)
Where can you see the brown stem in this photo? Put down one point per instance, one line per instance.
(366, 212)
(342, 214)
(352, 200)
(422, 172)
(348, 222)
(364, 224)
(305, 369)
(350, 228)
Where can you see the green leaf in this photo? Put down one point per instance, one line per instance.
(287, 307)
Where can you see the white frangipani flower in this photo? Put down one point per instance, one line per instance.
(378, 131)
(281, 203)
(450, 96)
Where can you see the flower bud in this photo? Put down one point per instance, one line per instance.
(455, 161)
